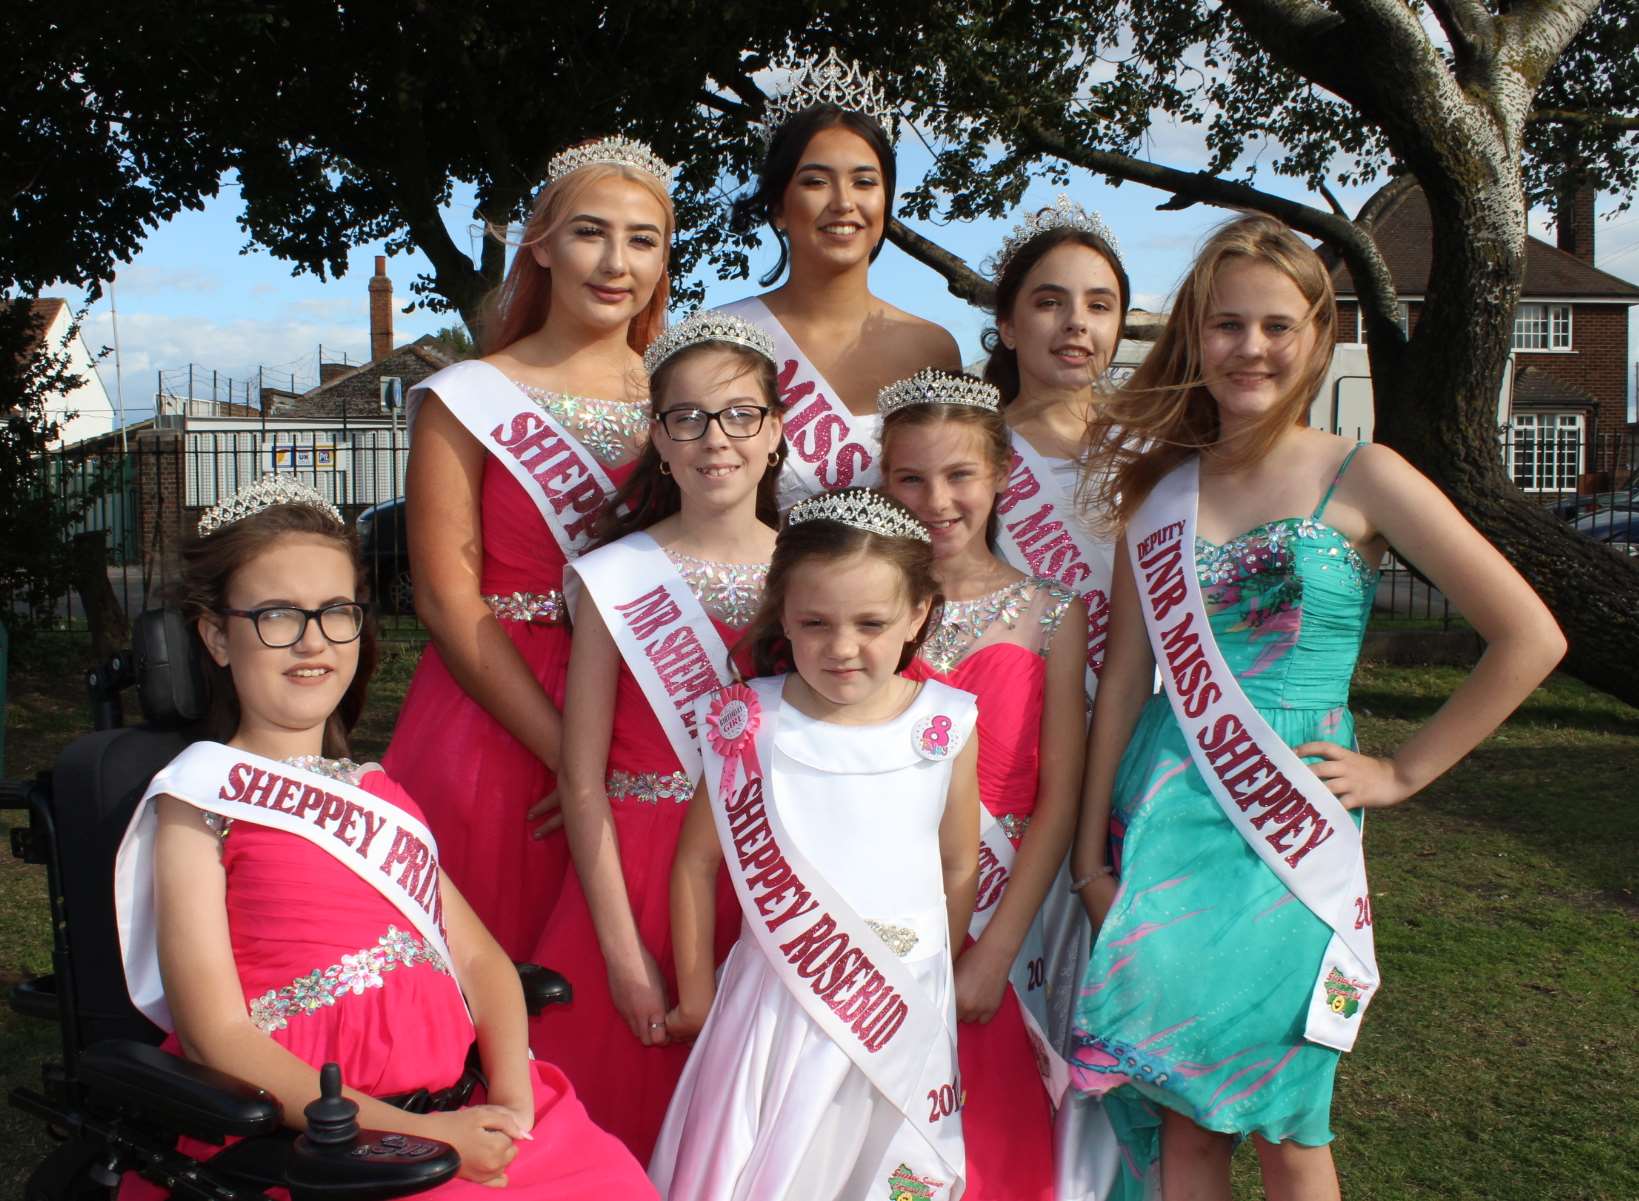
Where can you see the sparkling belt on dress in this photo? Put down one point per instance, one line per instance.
(325, 986)
(649, 787)
(541, 608)
(1014, 824)
(900, 939)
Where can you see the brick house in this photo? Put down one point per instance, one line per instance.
(1567, 408)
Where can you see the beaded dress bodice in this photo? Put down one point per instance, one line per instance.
(729, 592)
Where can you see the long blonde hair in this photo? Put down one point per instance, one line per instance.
(520, 305)
(1165, 413)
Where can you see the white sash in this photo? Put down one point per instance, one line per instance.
(563, 478)
(839, 970)
(661, 630)
(1028, 975)
(381, 844)
(830, 447)
(1038, 531)
(1283, 810)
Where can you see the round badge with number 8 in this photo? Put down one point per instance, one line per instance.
(932, 737)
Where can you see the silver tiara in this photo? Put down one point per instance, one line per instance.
(831, 81)
(930, 387)
(616, 151)
(864, 509)
(706, 325)
(1063, 213)
(262, 494)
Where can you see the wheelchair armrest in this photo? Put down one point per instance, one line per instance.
(187, 1097)
(542, 987)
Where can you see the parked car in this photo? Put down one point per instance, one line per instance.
(384, 539)
(1617, 528)
(1625, 497)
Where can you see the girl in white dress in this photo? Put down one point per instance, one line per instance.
(847, 797)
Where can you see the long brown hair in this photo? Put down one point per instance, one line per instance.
(208, 567)
(1002, 368)
(834, 541)
(1164, 413)
(649, 495)
(995, 441)
(520, 305)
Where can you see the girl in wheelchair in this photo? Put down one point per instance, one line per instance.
(282, 907)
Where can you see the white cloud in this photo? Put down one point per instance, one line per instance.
(142, 281)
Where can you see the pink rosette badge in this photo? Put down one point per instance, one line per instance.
(731, 728)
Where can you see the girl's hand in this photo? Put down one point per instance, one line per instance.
(1359, 781)
(639, 993)
(550, 808)
(522, 1108)
(684, 1021)
(981, 982)
(1096, 898)
(483, 1136)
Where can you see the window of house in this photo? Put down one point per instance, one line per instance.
(1545, 450)
(1542, 327)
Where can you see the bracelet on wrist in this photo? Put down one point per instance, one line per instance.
(1097, 873)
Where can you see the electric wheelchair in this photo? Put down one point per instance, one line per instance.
(115, 1101)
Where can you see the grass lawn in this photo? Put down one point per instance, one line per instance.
(1497, 1064)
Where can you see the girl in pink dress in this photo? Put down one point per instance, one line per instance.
(1015, 642)
(248, 930)
(514, 455)
(656, 608)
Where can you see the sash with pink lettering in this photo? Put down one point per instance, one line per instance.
(830, 447)
(1028, 976)
(661, 630)
(1039, 531)
(384, 846)
(844, 976)
(567, 484)
(1283, 810)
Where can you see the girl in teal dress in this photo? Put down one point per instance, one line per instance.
(1191, 1016)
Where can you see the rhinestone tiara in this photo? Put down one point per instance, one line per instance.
(261, 494)
(931, 387)
(1063, 213)
(832, 80)
(616, 151)
(707, 325)
(863, 509)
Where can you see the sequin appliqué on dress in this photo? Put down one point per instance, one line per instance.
(605, 427)
(730, 592)
(962, 623)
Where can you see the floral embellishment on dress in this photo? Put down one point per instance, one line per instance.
(356, 972)
(730, 592)
(649, 787)
(963, 623)
(931, 737)
(604, 427)
(1342, 993)
(906, 1185)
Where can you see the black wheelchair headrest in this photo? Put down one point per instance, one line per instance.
(170, 677)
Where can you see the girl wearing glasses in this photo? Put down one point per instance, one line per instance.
(254, 923)
(514, 456)
(679, 572)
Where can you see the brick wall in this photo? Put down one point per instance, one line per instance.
(161, 486)
(359, 394)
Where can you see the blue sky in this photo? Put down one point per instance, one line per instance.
(194, 295)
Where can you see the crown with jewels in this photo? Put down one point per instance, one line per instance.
(616, 151)
(705, 325)
(261, 494)
(931, 387)
(864, 509)
(829, 81)
(1063, 213)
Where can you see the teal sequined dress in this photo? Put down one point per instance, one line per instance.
(1196, 994)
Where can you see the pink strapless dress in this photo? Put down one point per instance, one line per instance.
(476, 781)
(293, 912)
(1007, 1121)
(624, 1085)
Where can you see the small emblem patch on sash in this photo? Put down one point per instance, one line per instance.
(905, 1185)
(1343, 994)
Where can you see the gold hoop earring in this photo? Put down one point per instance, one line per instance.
(773, 458)
(665, 467)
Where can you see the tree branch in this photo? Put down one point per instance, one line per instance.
(1538, 32)
(1305, 37)
(964, 282)
(1571, 116)
(1471, 30)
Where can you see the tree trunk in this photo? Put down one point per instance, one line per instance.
(106, 620)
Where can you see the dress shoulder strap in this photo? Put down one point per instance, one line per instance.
(1336, 480)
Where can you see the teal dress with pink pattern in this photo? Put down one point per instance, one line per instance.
(1198, 987)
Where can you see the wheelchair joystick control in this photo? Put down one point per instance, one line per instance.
(332, 1120)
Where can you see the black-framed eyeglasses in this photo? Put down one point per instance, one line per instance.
(736, 421)
(279, 626)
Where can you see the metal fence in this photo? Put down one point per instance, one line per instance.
(149, 494)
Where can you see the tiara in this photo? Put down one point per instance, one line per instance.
(1063, 213)
(831, 81)
(706, 325)
(864, 509)
(616, 151)
(261, 494)
(930, 387)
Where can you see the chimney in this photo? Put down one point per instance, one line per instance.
(381, 311)
(1573, 221)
